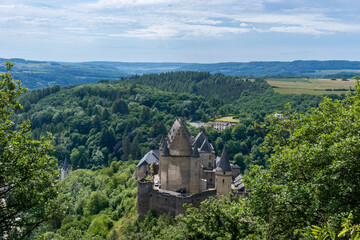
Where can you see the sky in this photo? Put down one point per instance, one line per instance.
(204, 31)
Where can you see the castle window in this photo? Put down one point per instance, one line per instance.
(224, 173)
(210, 179)
(223, 180)
(209, 157)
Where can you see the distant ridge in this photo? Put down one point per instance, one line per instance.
(39, 74)
(309, 68)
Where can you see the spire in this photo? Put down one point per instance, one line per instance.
(66, 166)
(224, 164)
(166, 151)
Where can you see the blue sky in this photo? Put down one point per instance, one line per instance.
(180, 30)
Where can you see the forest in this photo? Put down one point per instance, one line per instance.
(302, 173)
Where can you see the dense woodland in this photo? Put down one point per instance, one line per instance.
(96, 124)
(103, 129)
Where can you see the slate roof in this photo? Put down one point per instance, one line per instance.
(224, 163)
(237, 182)
(206, 146)
(175, 127)
(195, 152)
(234, 166)
(150, 157)
(202, 142)
(199, 139)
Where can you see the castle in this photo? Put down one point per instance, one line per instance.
(184, 170)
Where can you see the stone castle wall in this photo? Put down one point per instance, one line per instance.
(164, 202)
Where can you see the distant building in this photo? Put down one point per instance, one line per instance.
(220, 125)
(279, 116)
(65, 170)
(185, 170)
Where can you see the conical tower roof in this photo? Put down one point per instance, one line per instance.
(224, 164)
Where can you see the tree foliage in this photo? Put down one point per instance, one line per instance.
(28, 195)
(315, 169)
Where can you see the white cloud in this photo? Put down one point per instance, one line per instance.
(179, 31)
(166, 18)
(298, 30)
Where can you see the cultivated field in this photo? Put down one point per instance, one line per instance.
(229, 119)
(315, 86)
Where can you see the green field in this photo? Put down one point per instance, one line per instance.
(314, 86)
(229, 119)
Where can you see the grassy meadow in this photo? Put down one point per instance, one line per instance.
(314, 86)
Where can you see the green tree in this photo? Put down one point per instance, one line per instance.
(119, 106)
(145, 114)
(27, 190)
(97, 202)
(239, 132)
(221, 219)
(107, 138)
(314, 172)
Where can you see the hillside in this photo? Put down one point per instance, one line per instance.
(294, 68)
(40, 74)
(94, 124)
(104, 128)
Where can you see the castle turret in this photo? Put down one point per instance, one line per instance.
(223, 174)
(65, 170)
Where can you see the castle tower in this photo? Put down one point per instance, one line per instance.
(65, 170)
(223, 175)
(179, 167)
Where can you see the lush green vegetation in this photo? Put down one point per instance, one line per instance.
(99, 203)
(28, 196)
(96, 124)
(104, 128)
(312, 180)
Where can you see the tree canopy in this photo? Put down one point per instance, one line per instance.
(28, 195)
(314, 172)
